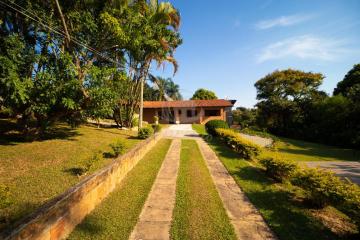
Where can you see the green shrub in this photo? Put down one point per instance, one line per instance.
(323, 187)
(351, 205)
(211, 125)
(118, 147)
(156, 127)
(244, 147)
(135, 122)
(278, 168)
(145, 132)
(88, 165)
(5, 200)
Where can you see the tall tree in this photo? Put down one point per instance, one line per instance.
(203, 94)
(350, 86)
(48, 55)
(148, 32)
(173, 90)
(245, 117)
(167, 89)
(283, 95)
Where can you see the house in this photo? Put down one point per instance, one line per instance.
(188, 111)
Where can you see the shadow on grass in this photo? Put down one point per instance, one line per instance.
(90, 225)
(75, 171)
(11, 134)
(121, 132)
(108, 155)
(15, 215)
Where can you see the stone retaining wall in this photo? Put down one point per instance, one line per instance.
(57, 218)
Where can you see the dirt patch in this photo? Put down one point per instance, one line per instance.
(335, 221)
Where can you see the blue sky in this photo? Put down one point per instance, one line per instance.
(230, 44)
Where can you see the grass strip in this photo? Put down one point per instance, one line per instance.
(288, 218)
(117, 215)
(198, 212)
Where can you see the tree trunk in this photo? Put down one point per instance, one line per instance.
(67, 39)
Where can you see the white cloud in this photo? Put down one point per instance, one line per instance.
(303, 47)
(283, 21)
(266, 4)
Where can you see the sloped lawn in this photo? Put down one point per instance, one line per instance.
(306, 151)
(36, 171)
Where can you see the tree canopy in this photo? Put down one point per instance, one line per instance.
(350, 86)
(291, 105)
(203, 94)
(288, 85)
(68, 61)
(164, 89)
(283, 95)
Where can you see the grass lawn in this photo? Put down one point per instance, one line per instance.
(300, 150)
(281, 204)
(36, 171)
(117, 215)
(199, 128)
(306, 151)
(198, 212)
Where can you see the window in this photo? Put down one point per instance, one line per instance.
(188, 113)
(179, 112)
(191, 113)
(210, 113)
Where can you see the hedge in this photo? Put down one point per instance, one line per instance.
(156, 127)
(244, 147)
(212, 125)
(118, 147)
(279, 169)
(145, 132)
(322, 187)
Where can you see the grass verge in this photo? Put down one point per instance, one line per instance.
(36, 171)
(117, 215)
(306, 151)
(199, 128)
(198, 212)
(281, 204)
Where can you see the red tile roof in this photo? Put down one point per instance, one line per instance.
(189, 103)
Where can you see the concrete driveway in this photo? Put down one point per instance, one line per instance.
(180, 131)
(350, 170)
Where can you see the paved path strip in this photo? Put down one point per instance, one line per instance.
(350, 170)
(155, 218)
(261, 141)
(247, 221)
(180, 131)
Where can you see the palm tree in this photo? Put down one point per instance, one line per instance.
(164, 14)
(146, 31)
(168, 90)
(173, 90)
